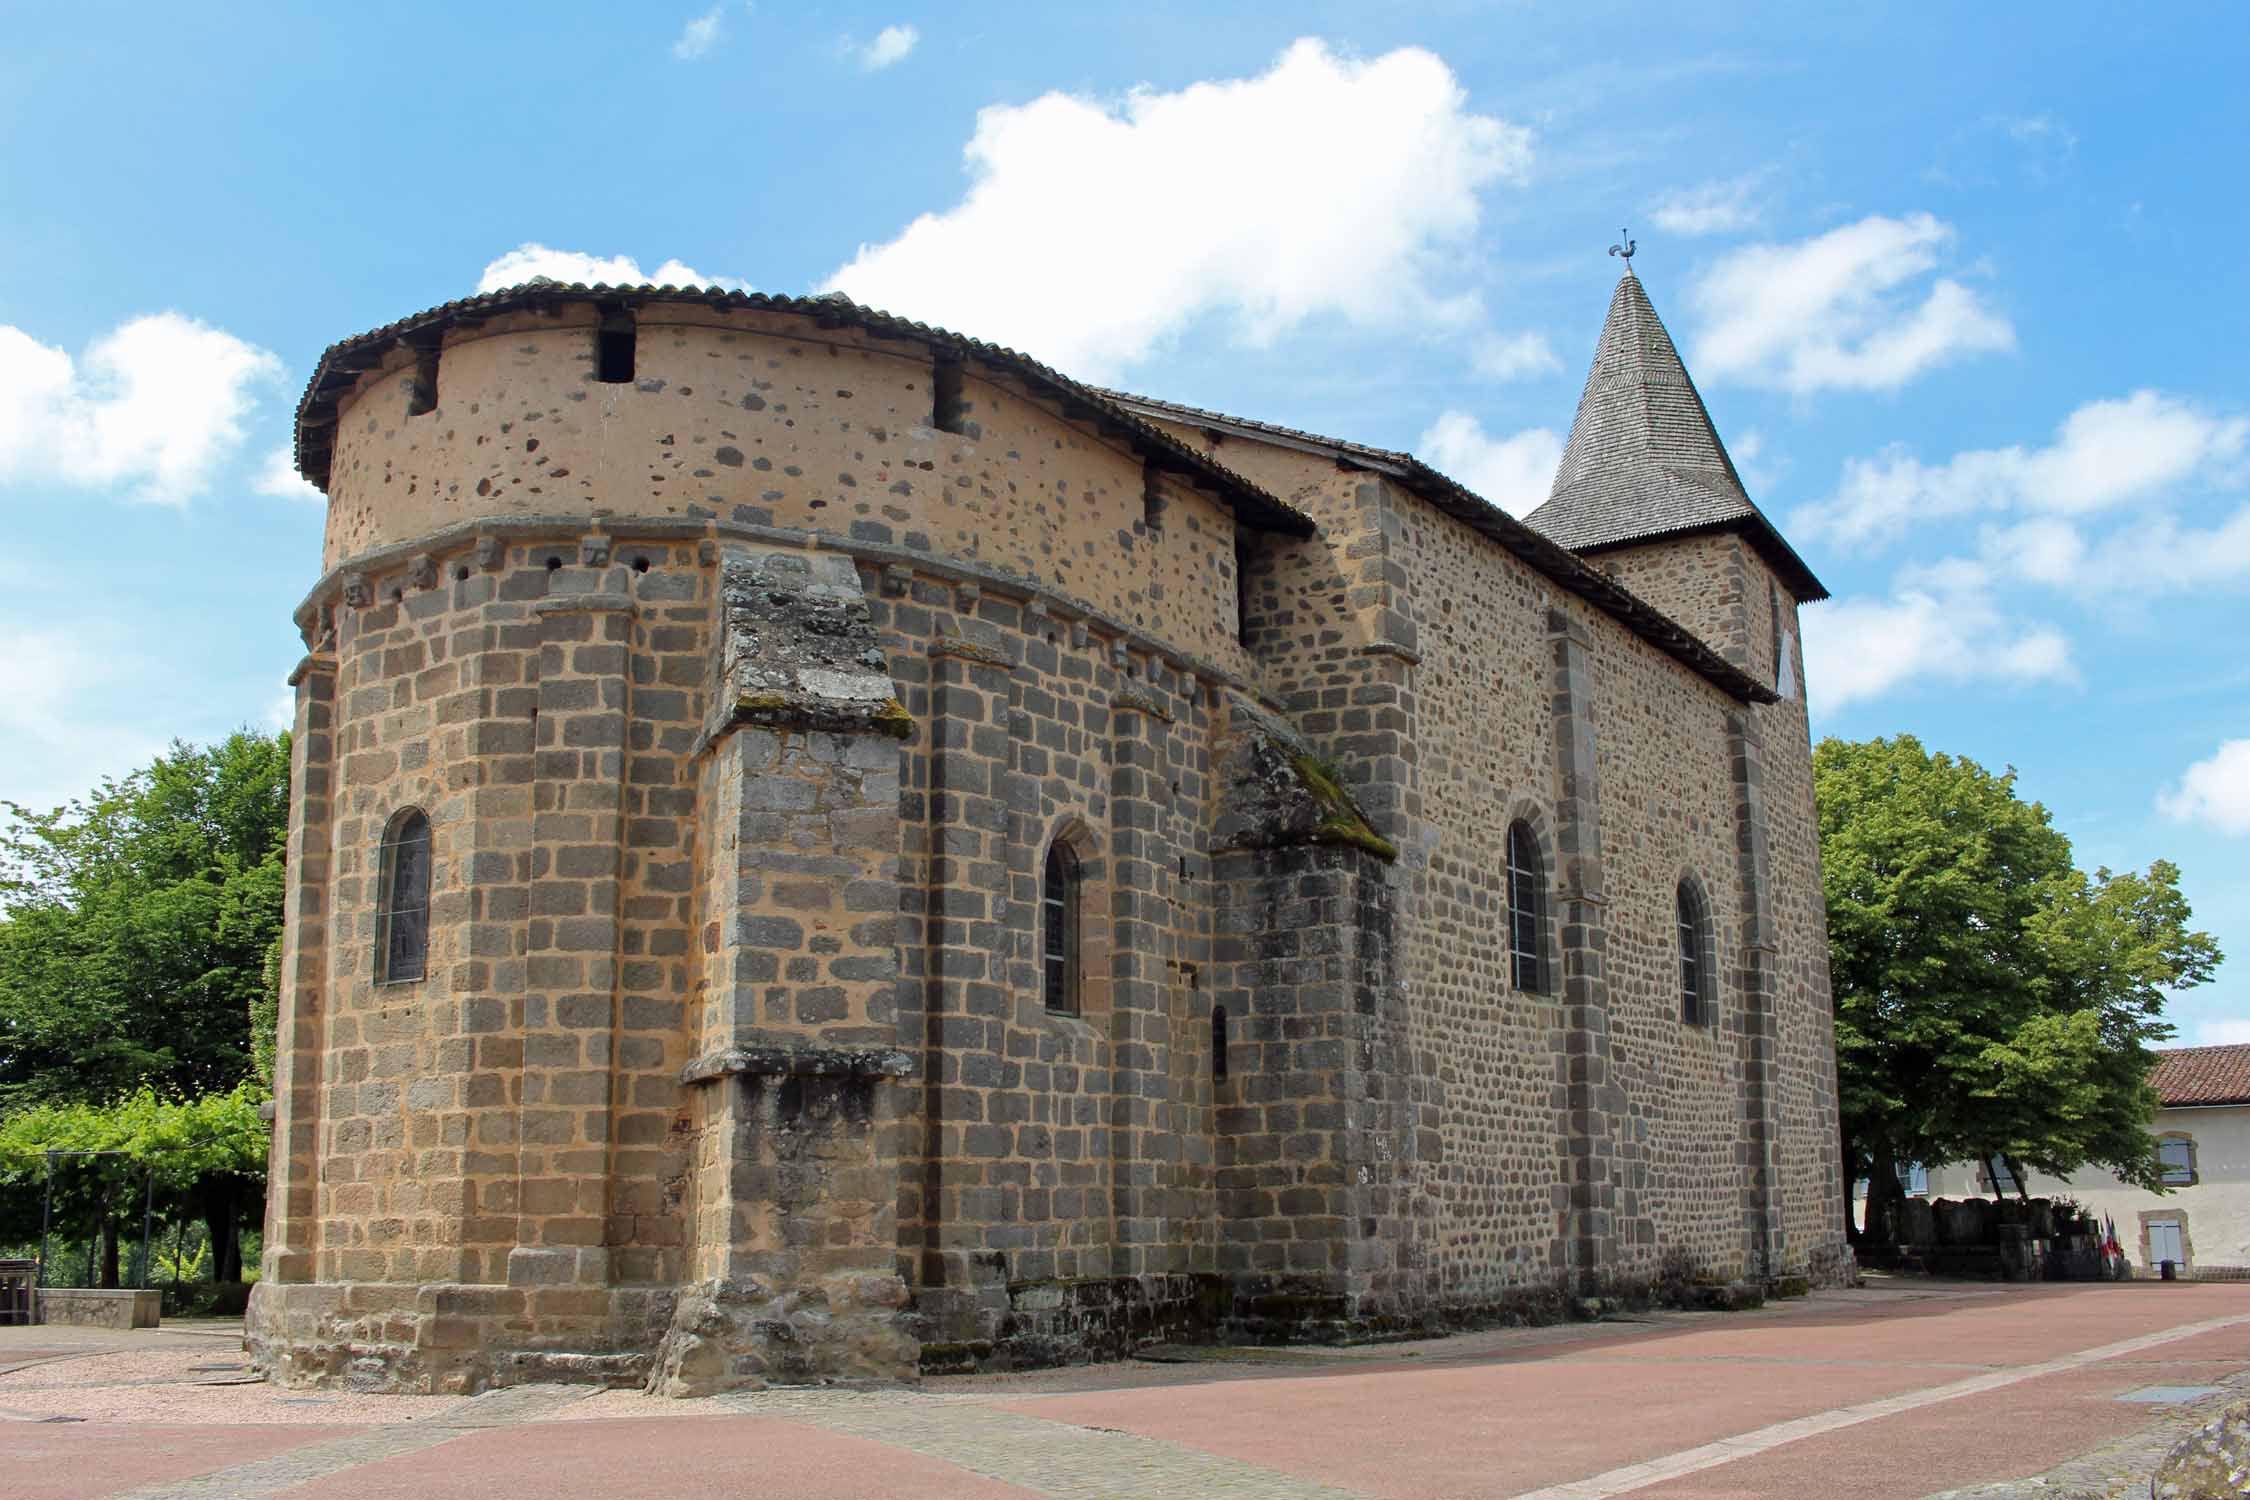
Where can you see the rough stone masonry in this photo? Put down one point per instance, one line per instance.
(931, 865)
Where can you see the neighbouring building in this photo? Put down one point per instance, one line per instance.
(2201, 1222)
(822, 847)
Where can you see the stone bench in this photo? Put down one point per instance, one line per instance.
(100, 1307)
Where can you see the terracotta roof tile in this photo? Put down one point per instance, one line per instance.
(2202, 1075)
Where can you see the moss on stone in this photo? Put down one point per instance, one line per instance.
(891, 718)
(1341, 821)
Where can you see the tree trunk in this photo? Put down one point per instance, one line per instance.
(109, 1253)
(219, 1202)
(1884, 1193)
(2015, 1170)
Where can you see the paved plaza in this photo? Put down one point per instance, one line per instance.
(1897, 1390)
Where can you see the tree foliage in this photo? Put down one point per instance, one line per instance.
(1991, 998)
(95, 1165)
(137, 926)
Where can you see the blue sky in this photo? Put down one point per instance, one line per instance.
(1955, 283)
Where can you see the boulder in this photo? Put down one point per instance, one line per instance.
(2210, 1463)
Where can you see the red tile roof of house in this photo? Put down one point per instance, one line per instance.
(2202, 1075)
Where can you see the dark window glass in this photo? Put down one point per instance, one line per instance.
(1527, 895)
(1695, 959)
(402, 939)
(1058, 946)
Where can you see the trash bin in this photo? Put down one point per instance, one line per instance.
(2168, 1270)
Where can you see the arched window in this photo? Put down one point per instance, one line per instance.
(1698, 976)
(1058, 929)
(402, 906)
(1527, 906)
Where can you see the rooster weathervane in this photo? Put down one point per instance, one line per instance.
(1625, 251)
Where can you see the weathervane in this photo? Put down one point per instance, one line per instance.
(1625, 251)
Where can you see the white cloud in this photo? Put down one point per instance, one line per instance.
(1711, 208)
(1514, 473)
(1837, 312)
(156, 406)
(2230, 1032)
(1760, 471)
(2214, 791)
(1092, 231)
(532, 259)
(698, 36)
(2106, 453)
(281, 710)
(54, 684)
(1515, 356)
(1940, 624)
(891, 45)
(277, 475)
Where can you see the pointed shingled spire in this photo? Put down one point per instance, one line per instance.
(1644, 461)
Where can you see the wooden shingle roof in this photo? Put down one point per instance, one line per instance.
(1644, 461)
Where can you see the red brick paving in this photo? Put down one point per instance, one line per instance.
(80, 1460)
(1462, 1419)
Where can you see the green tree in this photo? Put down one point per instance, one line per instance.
(137, 924)
(199, 1158)
(1991, 999)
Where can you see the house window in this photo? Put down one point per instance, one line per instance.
(1698, 986)
(1995, 1176)
(402, 912)
(1527, 892)
(1058, 937)
(2175, 1158)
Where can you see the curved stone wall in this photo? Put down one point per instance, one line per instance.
(765, 419)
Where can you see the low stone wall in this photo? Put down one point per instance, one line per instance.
(98, 1307)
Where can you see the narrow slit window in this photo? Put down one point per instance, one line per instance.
(1527, 903)
(1218, 1044)
(402, 916)
(614, 347)
(1242, 553)
(949, 407)
(421, 394)
(1697, 974)
(1058, 937)
(1773, 607)
(1152, 500)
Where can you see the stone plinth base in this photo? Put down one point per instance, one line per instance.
(453, 1339)
(1031, 1324)
(99, 1307)
(745, 1334)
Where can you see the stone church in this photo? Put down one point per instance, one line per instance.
(824, 848)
